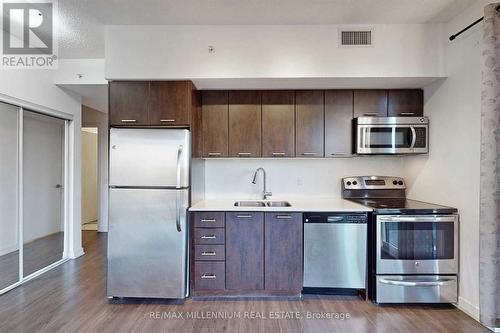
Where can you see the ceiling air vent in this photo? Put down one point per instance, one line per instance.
(356, 37)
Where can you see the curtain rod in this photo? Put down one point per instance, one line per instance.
(452, 37)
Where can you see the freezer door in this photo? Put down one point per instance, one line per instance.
(149, 157)
(147, 243)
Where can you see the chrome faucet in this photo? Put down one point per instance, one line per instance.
(265, 193)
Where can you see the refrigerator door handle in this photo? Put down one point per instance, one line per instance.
(177, 212)
(179, 153)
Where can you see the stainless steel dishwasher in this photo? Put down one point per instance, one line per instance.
(335, 250)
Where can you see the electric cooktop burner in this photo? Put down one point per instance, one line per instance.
(387, 195)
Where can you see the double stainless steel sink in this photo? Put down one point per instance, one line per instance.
(262, 204)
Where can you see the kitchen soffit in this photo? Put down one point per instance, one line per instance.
(84, 21)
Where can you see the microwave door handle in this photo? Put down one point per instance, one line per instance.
(366, 137)
(413, 137)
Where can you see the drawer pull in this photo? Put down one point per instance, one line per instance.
(309, 153)
(370, 114)
(244, 154)
(209, 276)
(167, 120)
(214, 154)
(278, 154)
(208, 237)
(244, 216)
(209, 254)
(209, 220)
(129, 120)
(336, 154)
(283, 217)
(407, 113)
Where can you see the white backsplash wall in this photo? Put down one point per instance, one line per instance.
(288, 178)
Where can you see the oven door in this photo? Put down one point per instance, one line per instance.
(392, 139)
(422, 244)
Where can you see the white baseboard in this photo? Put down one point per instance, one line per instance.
(8, 249)
(102, 228)
(469, 308)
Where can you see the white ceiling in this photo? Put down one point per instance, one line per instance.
(82, 21)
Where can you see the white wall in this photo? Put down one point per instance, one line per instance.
(35, 88)
(90, 193)
(94, 118)
(269, 51)
(450, 174)
(291, 177)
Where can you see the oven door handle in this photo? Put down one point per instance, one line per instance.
(413, 137)
(410, 283)
(430, 218)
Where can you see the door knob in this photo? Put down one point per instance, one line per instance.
(59, 186)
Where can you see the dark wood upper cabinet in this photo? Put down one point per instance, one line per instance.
(244, 251)
(278, 124)
(128, 103)
(370, 103)
(245, 118)
(338, 122)
(171, 103)
(406, 103)
(215, 114)
(309, 123)
(283, 253)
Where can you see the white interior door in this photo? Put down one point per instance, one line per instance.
(43, 191)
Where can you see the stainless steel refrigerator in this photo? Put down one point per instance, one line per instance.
(148, 202)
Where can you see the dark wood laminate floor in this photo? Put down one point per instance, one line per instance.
(38, 254)
(72, 298)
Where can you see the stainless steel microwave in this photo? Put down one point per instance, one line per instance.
(391, 135)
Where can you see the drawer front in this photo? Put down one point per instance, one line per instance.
(209, 219)
(212, 236)
(417, 289)
(209, 252)
(209, 275)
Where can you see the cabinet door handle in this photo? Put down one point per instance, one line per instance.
(244, 216)
(208, 254)
(370, 114)
(309, 153)
(208, 237)
(167, 120)
(283, 217)
(278, 154)
(214, 154)
(407, 113)
(129, 120)
(244, 154)
(208, 276)
(209, 220)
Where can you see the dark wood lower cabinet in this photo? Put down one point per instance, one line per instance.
(245, 251)
(283, 253)
(260, 254)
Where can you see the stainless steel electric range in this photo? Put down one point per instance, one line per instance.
(413, 245)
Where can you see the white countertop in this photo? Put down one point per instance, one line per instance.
(309, 204)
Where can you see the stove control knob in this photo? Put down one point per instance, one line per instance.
(395, 182)
(348, 183)
(354, 182)
(400, 182)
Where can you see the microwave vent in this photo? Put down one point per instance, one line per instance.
(356, 38)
